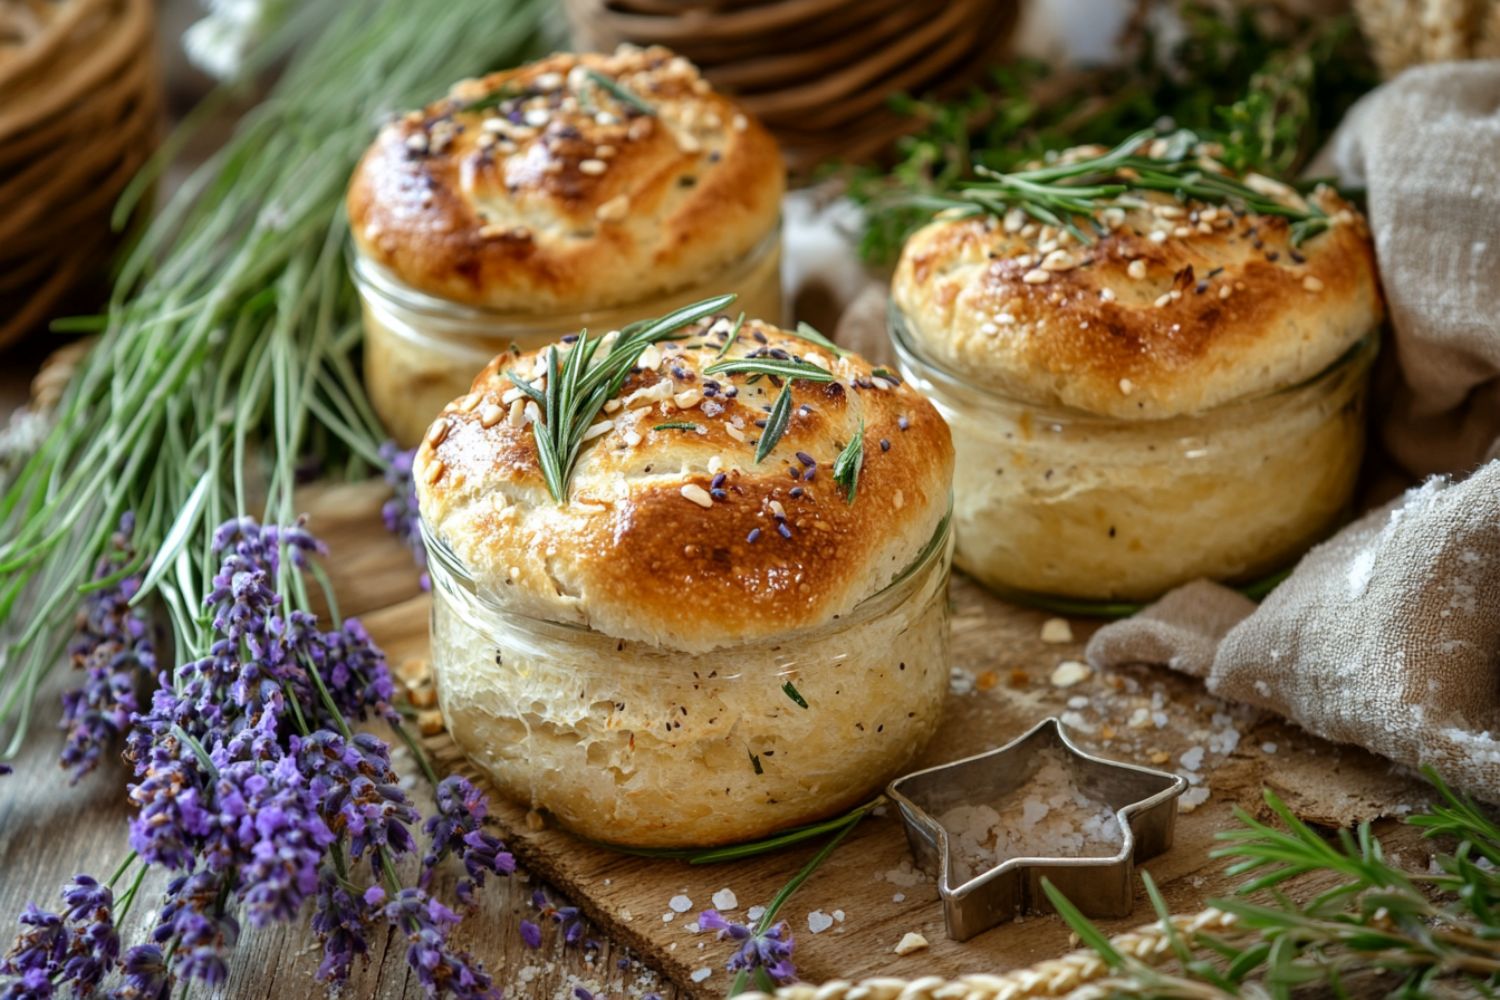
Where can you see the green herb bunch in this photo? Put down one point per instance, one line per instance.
(225, 366)
(1267, 87)
(1418, 930)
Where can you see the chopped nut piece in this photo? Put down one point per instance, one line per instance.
(490, 415)
(1070, 672)
(911, 941)
(1137, 269)
(1036, 276)
(1312, 284)
(1056, 630)
(698, 495)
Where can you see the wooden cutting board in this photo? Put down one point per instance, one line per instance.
(1001, 687)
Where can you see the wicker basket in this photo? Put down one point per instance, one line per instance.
(1406, 33)
(819, 73)
(79, 113)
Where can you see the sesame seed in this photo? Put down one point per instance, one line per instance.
(592, 167)
(1106, 294)
(698, 495)
(1158, 236)
(1224, 292)
(1036, 276)
(1137, 269)
(1163, 299)
(490, 415)
(1312, 284)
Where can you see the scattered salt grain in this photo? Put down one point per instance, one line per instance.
(701, 974)
(838, 915)
(667, 918)
(1057, 630)
(725, 899)
(1193, 798)
(899, 897)
(1268, 747)
(680, 903)
(818, 921)
(910, 942)
(1192, 759)
(754, 913)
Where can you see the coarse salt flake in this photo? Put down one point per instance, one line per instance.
(725, 899)
(818, 921)
(680, 903)
(701, 974)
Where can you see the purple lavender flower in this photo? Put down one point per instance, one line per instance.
(439, 968)
(342, 920)
(171, 817)
(458, 828)
(569, 918)
(770, 949)
(6, 769)
(355, 672)
(531, 934)
(357, 791)
(77, 948)
(114, 648)
(204, 933)
(145, 975)
(400, 511)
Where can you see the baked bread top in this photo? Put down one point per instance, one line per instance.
(671, 532)
(1178, 307)
(578, 182)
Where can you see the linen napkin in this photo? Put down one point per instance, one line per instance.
(1388, 635)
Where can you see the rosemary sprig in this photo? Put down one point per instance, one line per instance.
(846, 467)
(578, 387)
(1377, 916)
(1072, 195)
(787, 368)
(676, 425)
(620, 92)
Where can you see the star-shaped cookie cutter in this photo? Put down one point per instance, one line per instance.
(1144, 801)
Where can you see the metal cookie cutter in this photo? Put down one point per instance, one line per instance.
(1145, 806)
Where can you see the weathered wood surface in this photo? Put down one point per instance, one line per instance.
(49, 830)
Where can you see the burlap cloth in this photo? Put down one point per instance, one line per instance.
(1388, 635)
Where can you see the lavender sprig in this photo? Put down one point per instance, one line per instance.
(114, 647)
(768, 949)
(400, 512)
(75, 949)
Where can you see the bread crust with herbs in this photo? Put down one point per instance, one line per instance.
(1176, 308)
(675, 535)
(566, 196)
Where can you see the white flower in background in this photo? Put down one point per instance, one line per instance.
(218, 43)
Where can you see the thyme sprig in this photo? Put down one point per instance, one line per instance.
(578, 386)
(1441, 922)
(1073, 195)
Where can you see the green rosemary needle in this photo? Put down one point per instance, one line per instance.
(782, 368)
(676, 425)
(620, 92)
(846, 467)
(809, 332)
(734, 334)
(776, 423)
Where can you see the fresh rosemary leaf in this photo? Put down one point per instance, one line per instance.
(494, 98)
(808, 332)
(734, 334)
(846, 467)
(776, 423)
(794, 694)
(787, 369)
(676, 425)
(620, 92)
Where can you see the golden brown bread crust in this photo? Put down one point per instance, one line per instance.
(568, 198)
(631, 555)
(1217, 307)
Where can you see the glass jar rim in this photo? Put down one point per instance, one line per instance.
(441, 556)
(377, 279)
(1361, 352)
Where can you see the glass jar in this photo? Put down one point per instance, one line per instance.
(1055, 505)
(638, 745)
(421, 351)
